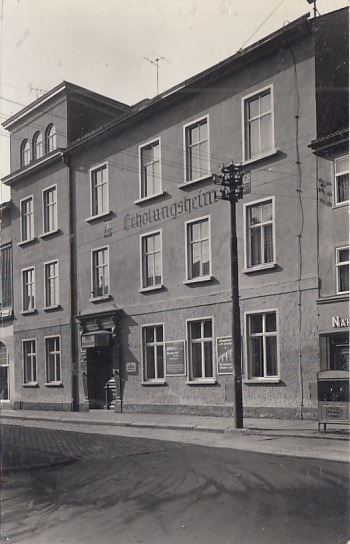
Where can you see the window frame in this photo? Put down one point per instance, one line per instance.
(107, 295)
(46, 279)
(56, 381)
(23, 271)
(186, 129)
(206, 380)
(338, 266)
(5, 364)
(202, 278)
(145, 380)
(33, 354)
(247, 371)
(246, 206)
(244, 101)
(37, 144)
(147, 145)
(45, 206)
(143, 286)
(50, 138)
(335, 184)
(6, 280)
(21, 203)
(102, 166)
(25, 153)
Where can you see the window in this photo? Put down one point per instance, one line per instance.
(29, 360)
(25, 153)
(341, 180)
(100, 272)
(6, 277)
(258, 124)
(50, 139)
(51, 284)
(27, 219)
(342, 269)
(50, 209)
(4, 373)
(259, 233)
(261, 341)
(151, 259)
(37, 146)
(197, 150)
(198, 249)
(53, 359)
(151, 183)
(28, 290)
(200, 344)
(99, 190)
(153, 352)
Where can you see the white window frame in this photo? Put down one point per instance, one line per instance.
(335, 184)
(338, 266)
(205, 380)
(245, 99)
(37, 145)
(50, 138)
(58, 376)
(186, 128)
(47, 279)
(189, 278)
(105, 209)
(31, 220)
(265, 378)
(143, 286)
(142, 193)
(33, 355)
(246, 206)
(93, 294)
(23, 271)
(5, 363)
(45, 206)
(26, 153)
(155, 380)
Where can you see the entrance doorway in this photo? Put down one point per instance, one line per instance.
(99, 371)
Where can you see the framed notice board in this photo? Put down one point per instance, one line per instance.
(175, 358)
(224, 355)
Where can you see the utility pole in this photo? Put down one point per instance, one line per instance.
(231, 180)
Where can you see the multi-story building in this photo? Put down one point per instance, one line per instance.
(144, 249)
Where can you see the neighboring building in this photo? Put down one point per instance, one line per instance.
(144, 239)
(7, 357)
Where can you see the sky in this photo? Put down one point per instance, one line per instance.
(106, 45)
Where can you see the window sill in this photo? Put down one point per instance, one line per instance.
(151, 197)
(25, 242)
(28, 312)
(152, 288)
(204, 381)
(201, 279)
(259, 268)
(154, 382)
(53, 384)
(194, 181)
(333, 298)
(100, 299)
(344, 204)
(6, 313)
(49, 233)
(30, 384)
(261, 381)
(96, 217)
(270, 153)
(51, 308)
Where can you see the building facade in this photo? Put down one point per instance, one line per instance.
(142, 258)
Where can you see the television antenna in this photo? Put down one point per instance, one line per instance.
(155, 63)
(37, 90)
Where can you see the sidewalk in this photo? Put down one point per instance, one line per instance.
(265, 427)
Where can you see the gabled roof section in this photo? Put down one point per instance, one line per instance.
(69, 90)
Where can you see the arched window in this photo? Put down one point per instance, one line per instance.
(50, 141)
(25, 153)
(37, 146)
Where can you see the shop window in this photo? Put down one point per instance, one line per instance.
(261, 346)
(258, 124)
(50, 210)
(339, 351)
(341, 180)
(153, 352)
(151, 183)
(29, 360)
(53, 359)
(197, 150)
(100, 272)
(151, 259)
(259, 234)
(198, 249)
(342, 269)
(99, 190)
(200, 346)
(27, 219)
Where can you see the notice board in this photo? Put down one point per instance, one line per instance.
(175, 360)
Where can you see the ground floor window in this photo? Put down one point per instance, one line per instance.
(4, 373)
(153, 352)
(53, 359)
(29, 361)
(200, 343)
(339, 351)
(261, 339)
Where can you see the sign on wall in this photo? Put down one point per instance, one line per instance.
(224, 355)
(175, 360)
(92, 340)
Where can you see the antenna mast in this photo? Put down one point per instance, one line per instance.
(155, 63)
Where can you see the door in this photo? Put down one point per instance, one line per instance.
(99, 371)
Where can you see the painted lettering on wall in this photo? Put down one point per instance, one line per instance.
(339, 322)
(172, 211)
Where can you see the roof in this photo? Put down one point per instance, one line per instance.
(330, 141)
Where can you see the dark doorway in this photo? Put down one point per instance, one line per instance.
(99, 371)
